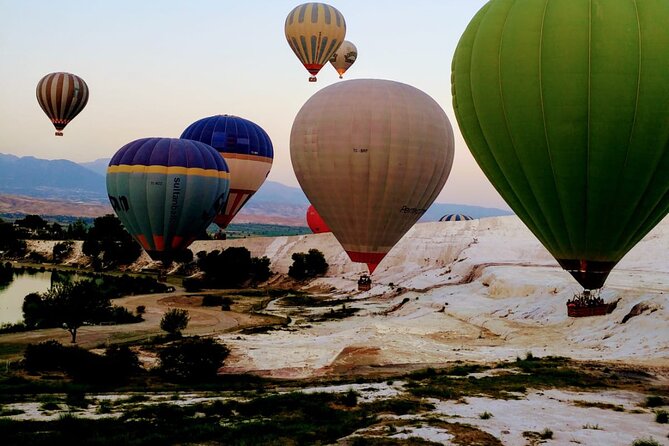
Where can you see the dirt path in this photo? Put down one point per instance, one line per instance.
(203, 321)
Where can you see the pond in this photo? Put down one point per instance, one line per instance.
(24, 283)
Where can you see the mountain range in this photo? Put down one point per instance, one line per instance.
(61, 187)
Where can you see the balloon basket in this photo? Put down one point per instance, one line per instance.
(59, 133)
(364, 283)
(586, 304)
(312, 79)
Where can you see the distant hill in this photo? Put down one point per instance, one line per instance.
(61, 186)
(98, 166)
(50, 179)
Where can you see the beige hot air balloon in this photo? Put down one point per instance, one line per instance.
(344, 57)
(371, 156)
(314, 32)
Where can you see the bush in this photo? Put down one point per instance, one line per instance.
(47, 355)
(309, 265)
(192, 358)
(193, 285)
(61, 251)
(174, 321)
(141, 309)
(646, 442)
(654, 401)
(661, 416)
(211, 300)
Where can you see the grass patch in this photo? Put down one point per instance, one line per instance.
(485, 415)
(293, 418)
(646, 442)
(592, 426)
(606, 406)
(550, 372)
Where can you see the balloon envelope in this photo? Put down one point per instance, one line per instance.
(371, 156)
(62, 96)
(455, 217)
(344, 57)
(248, 153)
(315, 222)
(563, 105)
(314, 32)
(166, 191)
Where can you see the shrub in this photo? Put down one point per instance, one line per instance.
(192, 285)
(646, 442)
(661, 416)
(192, 358)
(61, 251)
(485, 415)
(211, 300)
(654, 401)
(309, 265)
(47, 355)
(141, 309)
(174, 321)
(546, 434)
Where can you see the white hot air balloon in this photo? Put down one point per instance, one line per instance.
(371, 156)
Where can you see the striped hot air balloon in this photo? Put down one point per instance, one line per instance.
(314, 32)
(62, 96)
(455, 217)
(248, 151)
(371, 155)
(166, 191)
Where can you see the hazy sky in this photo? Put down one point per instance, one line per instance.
(153, 67)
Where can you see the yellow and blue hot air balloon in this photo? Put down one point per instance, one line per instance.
(247, 150)
(314, 32)
(167, 191)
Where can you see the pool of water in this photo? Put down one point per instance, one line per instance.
(12, 294)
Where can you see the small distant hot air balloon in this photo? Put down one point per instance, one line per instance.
(247, 150)
(315, 222)
(166, 192)
(344, 57)
(563, 105)
(314, 32)
(455, 217)
(371, 156)
(62, 96)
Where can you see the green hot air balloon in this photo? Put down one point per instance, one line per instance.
(166, 192)
(565, 106)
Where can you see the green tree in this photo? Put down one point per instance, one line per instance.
(72, 304)
(110, 243)
(309, 265)
(77, 230)
(174, 321)
(10, 240)
(34, 222)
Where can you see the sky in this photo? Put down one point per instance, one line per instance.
(155, 67)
